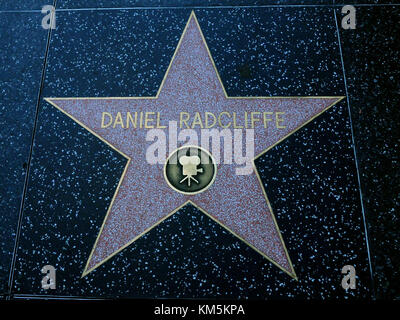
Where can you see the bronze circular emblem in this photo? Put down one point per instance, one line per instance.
(190, 170)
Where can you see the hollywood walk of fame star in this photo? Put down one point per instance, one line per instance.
(143, 199)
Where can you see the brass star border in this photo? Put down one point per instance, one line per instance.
(192, 15)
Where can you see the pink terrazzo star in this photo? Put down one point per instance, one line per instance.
(144, 199)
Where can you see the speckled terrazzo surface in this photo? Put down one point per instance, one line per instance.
(23, 5)
(310, 178)
(23, 44)
(180, 3)
(371, 58)
(79, 4)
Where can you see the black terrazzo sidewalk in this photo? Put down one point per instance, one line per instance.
(261, 48)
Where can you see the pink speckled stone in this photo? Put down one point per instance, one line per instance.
(144, 198)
